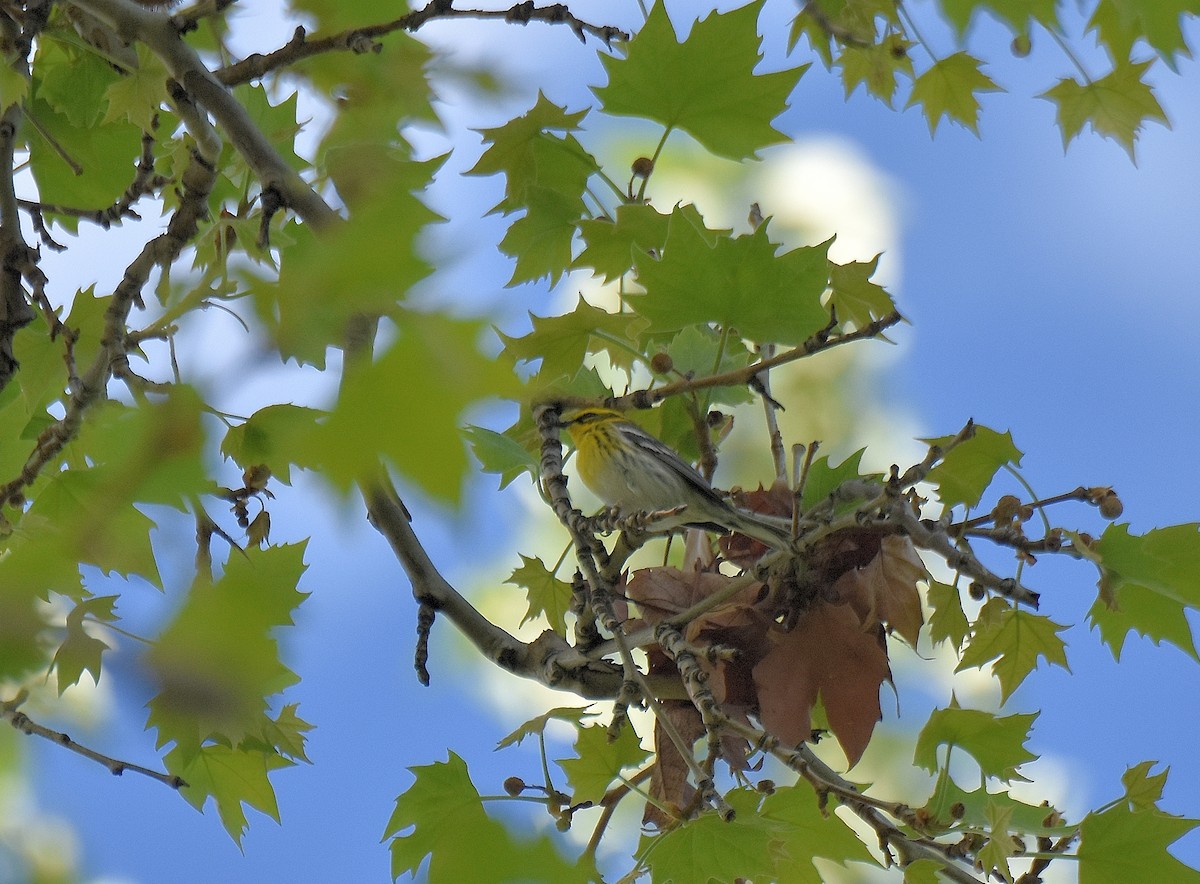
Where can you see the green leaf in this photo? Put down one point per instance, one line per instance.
(708, 848)
(72, 80)
(500, 453)
(217, 662)
(805, 831)
(1119, 845)
(307, 308)
(1015, 639)
(705, 85)
(389, 412)
(562, 342)
(1116, 105)
(699, 351)
(1120, 23)
(448, 825)
(951, 808)
(948, 89)
(737, 282)
(1147, 583)
(140, 93)
(967, 469)
(875, 65)
(275, 436)
(996, 743)
(572, 714)
(87, 167)
(599, 761)
(999, 849)
(824, 477)
(858, 301)
(1017, 14)
(81, 652)
(276, 121)
(548, 596)
(947, 622)
(231, 777)
(610, 247)
(1143, 791)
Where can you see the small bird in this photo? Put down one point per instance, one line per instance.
(631, 470)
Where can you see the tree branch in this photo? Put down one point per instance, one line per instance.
(22, 722)
(362, 39)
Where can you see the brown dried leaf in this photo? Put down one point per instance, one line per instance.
(669, 783)
(885, 591)
(827, 654)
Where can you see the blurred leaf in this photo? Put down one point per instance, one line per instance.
(388, 409)
(87, 167)
(81, 652)
(138, 94)
(500, 453)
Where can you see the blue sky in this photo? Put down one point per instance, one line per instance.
(1052, 295)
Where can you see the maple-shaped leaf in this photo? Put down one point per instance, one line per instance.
(705, 85)
(81, 652)
(275, 436)
(997, 743)
(561, 342)
(1121, 844)
(738, 282)
(807, 831)
(1016, 640)
(967, 469)
(1147, 584)
(600, 760)
(999, 848)
(387, 413)
(1143, 790)
(948, 622)
(858, 301)
(885, 589)
(1116, 105)
(501, 453)
(699, 350)
(1121, 23)
(827, 655)
(708, 848)
(217, 663)
(951, 807)
(670, 783)
(949, 88)
(230, 776)
(441, 817)
(139, 93)
(1017, 14)
(875, 65)
(572, 714)
(610, 245)
(548, 596)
